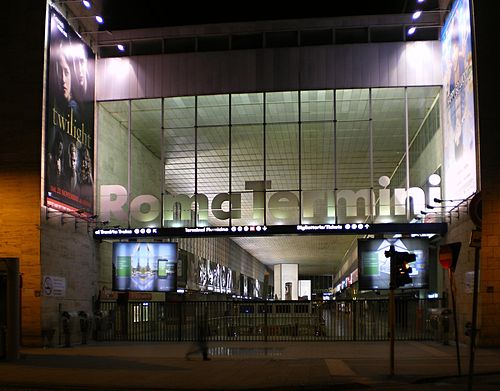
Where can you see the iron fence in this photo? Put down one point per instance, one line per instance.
(345, 320)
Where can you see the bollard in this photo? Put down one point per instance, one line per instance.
(65, 319)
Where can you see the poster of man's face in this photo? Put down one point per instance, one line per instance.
(69, 126)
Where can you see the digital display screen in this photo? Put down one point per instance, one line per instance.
(374, 268)
(146, 267)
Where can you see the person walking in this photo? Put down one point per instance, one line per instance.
(201, 346)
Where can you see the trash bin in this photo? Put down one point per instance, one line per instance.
(445, 326)
(84, 326)
(66, 328)
(440, 321)
(3, 347)
(102, 324)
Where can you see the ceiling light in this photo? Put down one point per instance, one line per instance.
(438, 200)
(120, 47)
(420, 1)
(411, 30)
(86, 3)
(99, 19)
(416, 14)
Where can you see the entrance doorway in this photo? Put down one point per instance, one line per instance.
(9, 308)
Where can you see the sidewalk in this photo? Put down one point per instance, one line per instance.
(248, 366)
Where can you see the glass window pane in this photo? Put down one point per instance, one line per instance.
(247, 155)
(317, 156)
(316, 105)
(282, 207)
(318, 164)
(213, 168)
(282, 107)
(213, 110)
(282, 156)
(389, 145)
(112, 167)
(425, 149)
(145, 160)
(179, 155)
(425, 134)
(247, 172)
(353, 169)
(352, 105)
(247, 109)
(179, 112)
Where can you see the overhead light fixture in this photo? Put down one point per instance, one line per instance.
(411, 30)
(97, 18)
(420, 1)
(86, 3)
(439, 201)
(433, 207)
(120, 47)
(416, 15)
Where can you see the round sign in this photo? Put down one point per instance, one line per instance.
(47, 286)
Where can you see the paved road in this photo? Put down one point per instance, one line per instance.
(249, 366)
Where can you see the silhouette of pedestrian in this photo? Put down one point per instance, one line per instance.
(201, 340)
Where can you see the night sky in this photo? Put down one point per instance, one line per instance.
(126, 14)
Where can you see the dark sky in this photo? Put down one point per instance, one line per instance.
(125, 14)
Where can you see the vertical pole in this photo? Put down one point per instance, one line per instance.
(392, 308)
(162, 159)
(474, 318)
(129, 162)
(407, 153)
(452, 290)
(392, 316)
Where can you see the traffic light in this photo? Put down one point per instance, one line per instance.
(402, 267)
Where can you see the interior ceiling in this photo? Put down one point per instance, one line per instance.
(316, 255)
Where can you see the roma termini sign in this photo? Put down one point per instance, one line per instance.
(282, 206)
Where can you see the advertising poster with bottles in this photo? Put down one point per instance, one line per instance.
(145, 267)
(69, 124)
(458, 104)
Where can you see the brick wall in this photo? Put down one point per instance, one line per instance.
(22, 42)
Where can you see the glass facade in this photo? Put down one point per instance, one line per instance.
(291, 157)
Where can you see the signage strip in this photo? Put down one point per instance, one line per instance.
(263, 230)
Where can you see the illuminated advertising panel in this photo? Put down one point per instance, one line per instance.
(146, 267)
(458, 105)
(69, 124)
(374, 268)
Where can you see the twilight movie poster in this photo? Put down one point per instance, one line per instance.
(69, 125)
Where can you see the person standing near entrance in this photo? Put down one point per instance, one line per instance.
(202, 333)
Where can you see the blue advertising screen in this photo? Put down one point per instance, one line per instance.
(146, 267)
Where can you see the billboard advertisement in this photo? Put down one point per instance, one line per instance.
(146, 267)
(69, 120)
(458, 104)
(374, 268)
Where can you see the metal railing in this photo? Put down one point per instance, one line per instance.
(346, 320)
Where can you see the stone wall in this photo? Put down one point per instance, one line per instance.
(68, 253)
